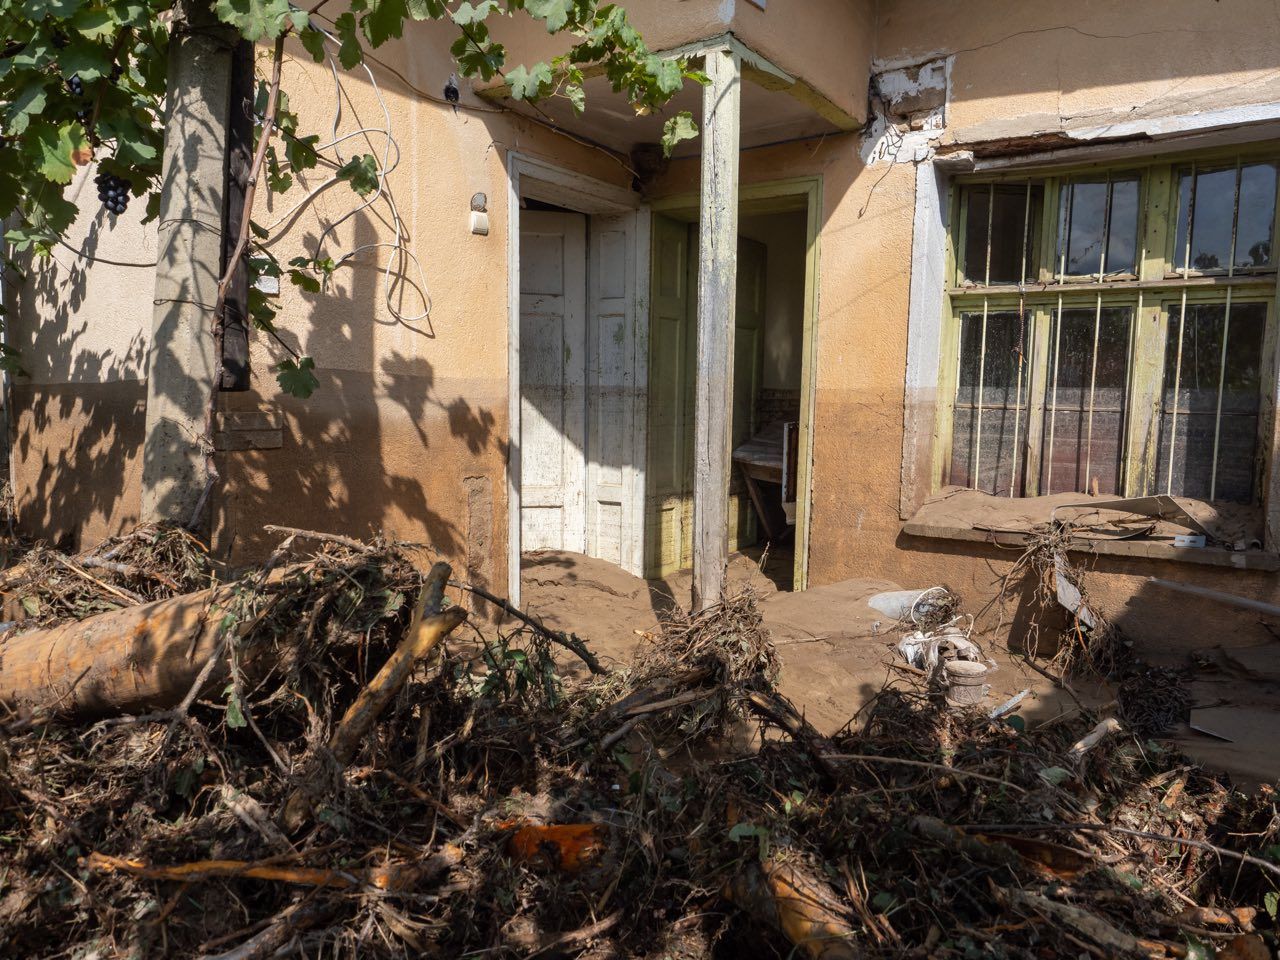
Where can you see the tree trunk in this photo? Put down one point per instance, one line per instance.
(139, 658)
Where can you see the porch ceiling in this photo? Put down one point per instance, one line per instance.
(775, 108)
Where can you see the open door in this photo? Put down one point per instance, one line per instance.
(553, 376)
(669, 477)
(672, 368)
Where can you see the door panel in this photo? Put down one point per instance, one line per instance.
(672, 369)
(553, 363)
(669, 469)
(611, 385)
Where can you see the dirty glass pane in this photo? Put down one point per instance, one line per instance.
(1214, 217)
(990, 421)
(1191, 386)
(1122, 235)
(1086, 401)
(1084, 231)
(1257, 215)
(1012, 236)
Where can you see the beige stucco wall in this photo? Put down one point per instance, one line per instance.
(407, 431)
(77, 419)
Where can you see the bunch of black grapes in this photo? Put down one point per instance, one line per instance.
(113, 192)
(76, 86)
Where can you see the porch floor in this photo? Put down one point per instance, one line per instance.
(835, 658)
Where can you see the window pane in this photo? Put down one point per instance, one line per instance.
(1086, 401)
(1211, 220)
(1086, 211)
(990, 420)
(1215, 216)
(1122, 237)
(1012, 236)
(1190, 402)
(1084, 230)
(1257, 215)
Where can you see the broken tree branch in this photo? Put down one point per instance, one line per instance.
(426, 629)
(567, 640)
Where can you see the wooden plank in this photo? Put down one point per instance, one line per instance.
(717, 289)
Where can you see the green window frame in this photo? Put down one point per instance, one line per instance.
(1071, 308)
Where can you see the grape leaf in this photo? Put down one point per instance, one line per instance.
(384, 20)
(54, 147)
(30, 100)
(678, 128)
(529, 84)
(426, 9)
(297, 379)
(255, 19)
(313, 42)
(554, 12)
(95, 23)
(349, 52)
(469, 13)
(361, 172)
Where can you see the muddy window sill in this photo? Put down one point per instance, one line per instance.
(1147, 549)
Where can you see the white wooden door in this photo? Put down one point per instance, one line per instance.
(553, 375)
(612, 392)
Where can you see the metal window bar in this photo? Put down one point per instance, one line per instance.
(1226, 334)
(1182, 323)
(982, 355)
(1022, 337)
(1064, 237)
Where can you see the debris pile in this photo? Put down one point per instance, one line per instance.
(353, 772)
(152, 562)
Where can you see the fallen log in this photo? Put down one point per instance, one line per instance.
(141, 658)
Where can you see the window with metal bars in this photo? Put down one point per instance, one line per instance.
(1113, 331)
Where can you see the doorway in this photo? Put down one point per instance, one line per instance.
(577, 382)
(771, 337)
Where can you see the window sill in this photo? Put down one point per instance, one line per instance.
(1146, 549)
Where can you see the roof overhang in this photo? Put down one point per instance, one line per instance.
(776, 106)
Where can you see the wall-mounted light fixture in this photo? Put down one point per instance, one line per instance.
(479, 215)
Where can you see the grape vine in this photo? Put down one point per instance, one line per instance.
(83, 81)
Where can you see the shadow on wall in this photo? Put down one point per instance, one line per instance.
(78, 418)
(387, 444)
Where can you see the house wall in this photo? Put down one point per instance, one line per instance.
(1019, 69)
(77, 417)
(408, 431)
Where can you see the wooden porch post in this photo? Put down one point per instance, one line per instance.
(717, 286)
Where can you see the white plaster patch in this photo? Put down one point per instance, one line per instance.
(727, 8)
(910, 114)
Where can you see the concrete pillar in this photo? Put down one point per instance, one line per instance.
(182, 359)
(717, 289)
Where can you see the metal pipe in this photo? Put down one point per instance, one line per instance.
(1097, 327)
(982, 356)
(1022, 339)
(1226, 335)
(1182, 321)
